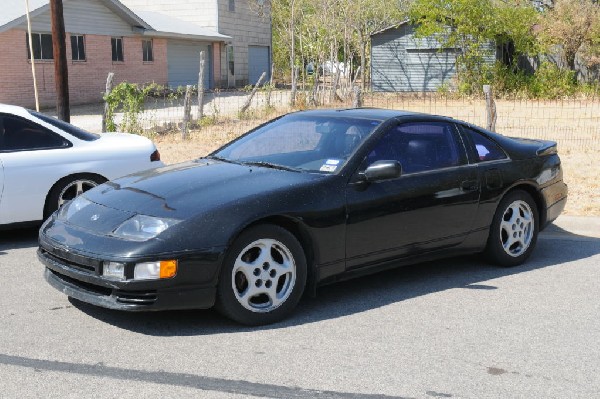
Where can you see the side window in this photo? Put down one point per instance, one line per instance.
(419, 146)
(17, 134)
(486, 149)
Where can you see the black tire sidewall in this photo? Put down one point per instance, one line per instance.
(494, 251)
(227, 303)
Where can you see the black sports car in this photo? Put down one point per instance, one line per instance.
(306, 199)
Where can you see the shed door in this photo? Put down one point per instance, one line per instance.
(258, 62)
(184, 63)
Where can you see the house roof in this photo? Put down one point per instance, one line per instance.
(13, 12)
(395, 26)
(149, 23)
(166, 26)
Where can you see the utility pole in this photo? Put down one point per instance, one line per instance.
(61, 74)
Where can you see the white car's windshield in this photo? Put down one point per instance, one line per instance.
(304, 142)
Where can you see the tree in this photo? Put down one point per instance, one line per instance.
(308, 31)
(471, 25)
(366, 17)
(574, 27)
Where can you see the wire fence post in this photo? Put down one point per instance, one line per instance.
(270, 86)
(249, 100)
(356, 97)
(294, 87)
(490, 108)
(109, 86)
(187, 111)
(201, 87)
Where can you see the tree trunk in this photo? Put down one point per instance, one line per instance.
(363, 65)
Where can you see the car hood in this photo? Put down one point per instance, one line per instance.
(185, 190)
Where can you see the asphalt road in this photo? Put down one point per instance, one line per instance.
(451, 329)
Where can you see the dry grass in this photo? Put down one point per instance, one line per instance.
(581, 168)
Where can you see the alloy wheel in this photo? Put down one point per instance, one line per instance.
(516, 228)
(263, 276)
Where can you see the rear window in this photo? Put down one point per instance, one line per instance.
(486, 149)
(67, 127)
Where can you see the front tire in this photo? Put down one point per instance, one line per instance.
(514, 230)
(263, 276)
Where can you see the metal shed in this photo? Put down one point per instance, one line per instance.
(400, 61)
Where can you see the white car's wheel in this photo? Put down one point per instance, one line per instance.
(68, 188)
(263, 276)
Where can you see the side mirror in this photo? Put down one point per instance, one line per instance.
(382, 170)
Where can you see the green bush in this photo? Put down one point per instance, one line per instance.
(548, 82)
(129, 98)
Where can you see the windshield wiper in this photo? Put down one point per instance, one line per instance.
(216, 158)
(271, 165)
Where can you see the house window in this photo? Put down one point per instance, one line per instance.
(232, 5)
(147, 50)
(230, 60)
(117, 49)
(42, 46)
(77, 48)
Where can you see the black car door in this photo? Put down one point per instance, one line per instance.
(430, 206)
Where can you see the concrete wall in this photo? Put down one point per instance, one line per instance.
(247, 28)
(87, 79)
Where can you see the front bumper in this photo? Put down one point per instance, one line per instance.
(80, 276)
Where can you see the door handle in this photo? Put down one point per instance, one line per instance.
(470, 185)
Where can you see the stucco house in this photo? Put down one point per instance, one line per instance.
(140, 41)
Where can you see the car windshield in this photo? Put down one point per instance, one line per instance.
(67, 127)
(314, 143)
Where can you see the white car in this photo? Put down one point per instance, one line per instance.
(45, 162)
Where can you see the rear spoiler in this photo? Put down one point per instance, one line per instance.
(547, 148)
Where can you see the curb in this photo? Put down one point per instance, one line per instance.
(571, 226)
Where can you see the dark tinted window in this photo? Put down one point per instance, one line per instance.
(77, 48)
(148, 55)
(117, 48)
(67, 127)
(419, 146)
(18, 134)
(486, 149)
(42, 46)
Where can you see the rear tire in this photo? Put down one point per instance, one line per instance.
(68, 188)
(263, 276)
(514, 230)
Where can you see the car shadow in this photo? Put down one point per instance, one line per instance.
(18, 239)
(361, 294)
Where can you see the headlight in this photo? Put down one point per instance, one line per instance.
(155, 270)
(143, 228)
(114, 270)
(72, 207)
